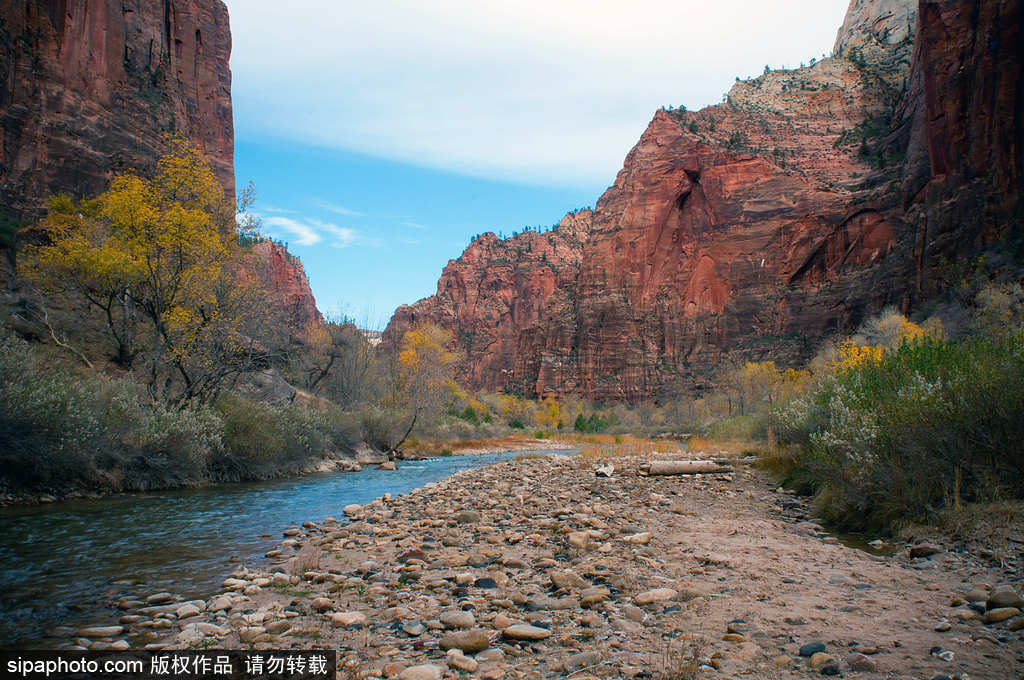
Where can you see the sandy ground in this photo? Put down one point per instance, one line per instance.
(538, 568)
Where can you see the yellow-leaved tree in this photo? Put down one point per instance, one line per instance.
(422, 377)
(160, 258)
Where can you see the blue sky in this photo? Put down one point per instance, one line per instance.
(381, 136)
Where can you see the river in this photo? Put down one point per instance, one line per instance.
(63, 565)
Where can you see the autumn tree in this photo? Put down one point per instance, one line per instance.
(159, 257)
(340, 363)
(423, 372)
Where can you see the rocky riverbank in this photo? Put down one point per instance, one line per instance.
(539, 568)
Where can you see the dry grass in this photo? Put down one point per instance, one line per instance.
(729, 448)
(603, 447)
(680, 660)
(997, 527)
(307, 559)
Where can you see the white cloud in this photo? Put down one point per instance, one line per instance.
(528, 90)
(337, 209)
(309, 231)
(304, 233)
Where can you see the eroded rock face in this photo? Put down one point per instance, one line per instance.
(752, 229)
(89, 87)
(963, 120)
(285, 278)
(504, 299)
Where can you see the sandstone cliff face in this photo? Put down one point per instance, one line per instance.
(89, 87)
(753, 229)
(283, 275)
(506, 302)
(963, 125)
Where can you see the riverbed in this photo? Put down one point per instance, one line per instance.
(63, 565)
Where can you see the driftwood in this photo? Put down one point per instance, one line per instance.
(686, 467)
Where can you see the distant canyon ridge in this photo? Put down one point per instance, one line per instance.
(748, 230)
(754, 229)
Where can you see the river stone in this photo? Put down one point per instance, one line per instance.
(467, 517)
(522, 631)
(812, 648)
(100, 631)
(217, 604)
(185, 611)
(352, 509)
(457, 619)
(1003, 596)
(579, 539)
(1015, 624)
(594, 595)
(160, 598)
(581, 660)
(923, 550)
(322, 604)
(347, 619)
(567, 579)
(278, 627)
(861, 663)
(656, 595)
(642, 538)
(1000, 614)
(414, 628)
(461, 662)
(468, 641)
(427, 671)
(820, 659)
(250, 633)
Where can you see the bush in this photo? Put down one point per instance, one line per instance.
(60, 431)
(516, 424)
(928, 425)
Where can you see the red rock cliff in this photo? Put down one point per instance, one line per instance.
(498, 295)
(752, 229)
(89, 87)
(285, 278)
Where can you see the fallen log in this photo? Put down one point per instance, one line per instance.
(686, 467)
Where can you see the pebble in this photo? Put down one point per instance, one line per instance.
(923, 550)
(468, 641)
(427, 671)
(1000, 614)
(656, 595)
(812, 648)
(100, 631)
(1003, 596)
(348, 619)
(457, 619)
(526, 632)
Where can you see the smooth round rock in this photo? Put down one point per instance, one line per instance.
(1001, 614)
(468, 641)
(812, 648)
(427, 671)
(526, 632)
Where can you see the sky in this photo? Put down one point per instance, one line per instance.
(381, 136)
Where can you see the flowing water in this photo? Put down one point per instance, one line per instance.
(62, 566)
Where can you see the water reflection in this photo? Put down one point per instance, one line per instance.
(65, 564)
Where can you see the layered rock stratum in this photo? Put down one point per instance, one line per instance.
(755, 228)
(91, 87)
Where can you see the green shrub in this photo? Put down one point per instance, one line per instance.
(517, 424)
(541, 434)
(591, 425)
(931, 424)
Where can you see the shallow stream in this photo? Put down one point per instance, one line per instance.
(63, 565)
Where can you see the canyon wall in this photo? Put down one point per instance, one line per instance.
(91, 87)
(754, 229)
